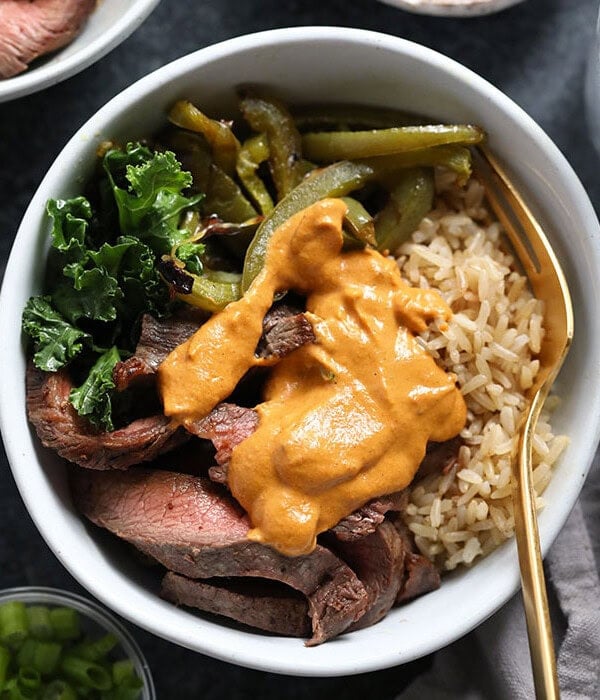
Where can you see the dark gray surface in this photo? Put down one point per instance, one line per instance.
(535, 52)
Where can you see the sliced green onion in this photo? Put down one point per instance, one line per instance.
(95, 650)
(59, 690)
(4, 664)
(65, 623)
(86, 673)
(13, 623)
(38, 622)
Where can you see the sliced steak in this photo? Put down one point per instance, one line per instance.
(365, 520)
(420, 577)
(195, 528)
(60, 428)
(31, 28)
(226, 426)
(284, 330)
(378, 561)
(265, 605)
(158, 337)
(420, 573)
(440, 457)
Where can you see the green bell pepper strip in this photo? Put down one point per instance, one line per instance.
(336, 180)
(456, 158)
(211, 291)
(358, 224)
(194, 153)
(339, 145)
(225, 199)
(342, 117)
(285, 144)
(410, 200)
(253, 152)
(224, 145)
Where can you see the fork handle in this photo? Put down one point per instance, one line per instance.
(535, 599)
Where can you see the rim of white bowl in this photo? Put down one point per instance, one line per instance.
(43, 76)
(132, 601)
(453, 8)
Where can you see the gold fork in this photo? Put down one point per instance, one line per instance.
(548, 284)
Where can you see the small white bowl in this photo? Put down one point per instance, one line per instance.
(319, 64)
(110, 23)
(452, 8)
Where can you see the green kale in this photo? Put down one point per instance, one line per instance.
(99, 281)
(55, 341)
(94, 397)
(150, 207)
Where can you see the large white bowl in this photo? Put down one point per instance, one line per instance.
(111, 23)
(322, 65)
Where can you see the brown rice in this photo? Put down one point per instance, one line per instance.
(491, 345)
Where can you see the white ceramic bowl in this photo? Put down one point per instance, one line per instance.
(111, 23)
(322, 65)
(453, 8)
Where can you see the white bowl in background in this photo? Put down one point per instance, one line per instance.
(318, 64)
(453, 8)
(111, 22)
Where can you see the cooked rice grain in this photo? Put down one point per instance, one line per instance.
(490, 344)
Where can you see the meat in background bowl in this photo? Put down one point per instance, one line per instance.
(110, 23)
(312, 65)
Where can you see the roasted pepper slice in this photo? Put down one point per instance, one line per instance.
(342, 117)
(271, 117)
(411, 198)
(224, 145)
(337, 180)
(211, 291)
(225, 199)
(456, 158)
(359, 223)
(339, 145)
(253, 152)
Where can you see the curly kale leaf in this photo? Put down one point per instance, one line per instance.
(94, 397)
(55, 341)
(151, 204)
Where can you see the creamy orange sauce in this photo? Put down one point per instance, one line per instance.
(344, 419)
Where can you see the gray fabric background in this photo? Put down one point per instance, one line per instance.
(535, 52)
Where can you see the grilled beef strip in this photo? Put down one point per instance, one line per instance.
(285, 328)
(60, 428)
(420, 573)
(31, 29)
(378, 561)
(194, 527)
(367, 519)
(158, 337)
(265, 605)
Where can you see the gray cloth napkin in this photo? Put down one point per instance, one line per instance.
(493, 661)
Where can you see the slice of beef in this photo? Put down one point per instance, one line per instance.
(194, 527)
(365, 520)
(31, 28)
(420, 573)
(440, 457)
(60, 428)
(284, 330)
(378, 561)
(420, 577)
(226, 426)
(158, 337)
(266, 605)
